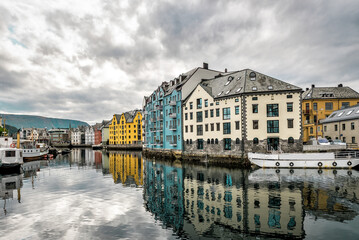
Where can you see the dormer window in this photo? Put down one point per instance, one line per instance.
(230, 78)
(252, 76)
(254, 88)
(270, 87)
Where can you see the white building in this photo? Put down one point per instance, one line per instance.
(242, 111)
(89, 136)
(76, 136)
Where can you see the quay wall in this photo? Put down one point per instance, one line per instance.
(124, 147)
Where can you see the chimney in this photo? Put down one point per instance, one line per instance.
(313, 86)
(306, 89)
(205, 65)
(225, 70)
(340, 85)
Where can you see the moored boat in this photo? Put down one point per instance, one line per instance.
(10, 160)
(305, 160)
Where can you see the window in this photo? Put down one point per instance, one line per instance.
(345, 104)
(217, 103)
(200, 144)
(191, 116)
(272, 110)
(255, 124)
(254, 98)
(191, 127)
(237, 125)
(236, 110)
(199, 117)
(353, 139)
(217, 112)
(226, 113)
(187, 141)
(208, 141)
(237, 141)
(254, 108)
(311, 130)
(255, 141)
(206, 127)
(328, 106)
(227, 128)
(186, 116)
(218, 127)
(325, 128)
(212, 127)
(10, 153)
(190, 141)
(272, 126)
(212, 141)
(199, 103)
(290, 123)
(352, 126)
(206, 114)
(186, 127)
(191, 105)
(315, 106)
(237, 100)
(211, 112)
(344, 139)
(216, 141)
(343, 126)
(227, 143)
(199, 130)
(206, 103)
(290, 107)
(289, 96)
(290, 140)
(335, 127)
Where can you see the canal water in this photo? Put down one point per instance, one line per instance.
(97, 195)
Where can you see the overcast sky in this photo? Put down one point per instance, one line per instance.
(89, 59)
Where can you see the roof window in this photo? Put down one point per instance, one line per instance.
(254, 88)
(252, 76)
(349, 112)
(357, 111)
(239, 89)
(332, 115)
(326, 95)
(341, 113)
(270, 87)
(230, 78)
(219, 94)
(228, 91)
(227, 83)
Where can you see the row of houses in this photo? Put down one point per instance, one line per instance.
(97, 134)
(221, 112)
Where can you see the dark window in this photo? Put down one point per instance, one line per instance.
(199, 130)
(236, 110)
(216, 141)
(208, 141)
(226, 128)
(186, 127)
(227, 143)
(206, 127)
(187, 141)
(237, 125)
(191, 127)
(217, 112)
(290, 107)
(254, 108)
(290, 140)
(9, 153)
(344, 139)
(191, 105)
(272, 126)
(315, 106)
(211, 113)
(255, 124)
(345, 104)
(290, 123)
(218, 127)
(328, 106)
(352, 126)
(237, 141)
(212, 127)
(343, 126)
(311, 130)
(353, 139)
(212, 141)
(206, 103)
(186, 116)
(191, 116)
(199, 103)
(255, 141)
(289, 96)
(200, 144)
(335, 127)
(325, 128)
(272, 110)
(237, 100)
(190, 141)
(226, 113)
(206, 114)
(199, 117)
(254, 98)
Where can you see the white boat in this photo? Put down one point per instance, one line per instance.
(305, 160)
(34, 154)
(10, 160)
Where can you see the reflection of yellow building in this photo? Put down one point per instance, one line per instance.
(319, 102)
(126, 128)
(126, 168)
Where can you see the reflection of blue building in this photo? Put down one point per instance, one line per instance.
(163, 194)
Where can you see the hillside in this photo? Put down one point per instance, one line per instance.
(27, 121)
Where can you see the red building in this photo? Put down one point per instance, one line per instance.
(98, 136)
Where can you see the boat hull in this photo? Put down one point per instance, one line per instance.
(10, 168)
(301, 161)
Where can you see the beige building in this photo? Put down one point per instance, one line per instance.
(344, 125)
(242, 111)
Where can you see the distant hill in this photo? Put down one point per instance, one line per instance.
(28, 121)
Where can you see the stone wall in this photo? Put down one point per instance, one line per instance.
(261, 147)
(213, 149)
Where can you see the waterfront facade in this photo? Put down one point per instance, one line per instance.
(105, 132)
(126, 128)
(319, 102)
(89, 135)
(163, 109)
(76, 136)
(240, 112)
(344, 125)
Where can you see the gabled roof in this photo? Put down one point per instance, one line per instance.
(241, 82)
(329, 93)
(349, 113)
(130, 115)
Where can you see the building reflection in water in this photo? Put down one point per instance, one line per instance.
(126, 168)
(85, 157)
(215, 202)
(10, 185)
(163, 194)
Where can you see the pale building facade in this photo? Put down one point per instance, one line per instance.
(89, 136)
(76, 137)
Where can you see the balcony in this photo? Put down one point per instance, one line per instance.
(173, 143)
(173, 115)
(159, 107)
(160, 118)
(173, 127)
(173, 103)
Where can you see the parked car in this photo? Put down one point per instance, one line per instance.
(338, 142)
(323, 141)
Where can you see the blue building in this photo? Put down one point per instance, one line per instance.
(163, 121)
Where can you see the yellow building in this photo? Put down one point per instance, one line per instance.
(126, 128)
(126, 168)
(319, 102)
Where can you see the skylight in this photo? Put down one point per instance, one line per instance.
(230, 78)
(357, 111)
(239, 89)
(228, 91)
(349, 112)
(254, 88)
(270, 87)
(341, 113)
(227, 83)
(332, 115)
(238, 78)
(219, 94)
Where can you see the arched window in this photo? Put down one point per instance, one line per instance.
(255, 141)
(252, 76)
(216, 141)
(190, 141)
(208, 141)
(290, 140)
(212, 141)
(237, 140)
(187, 141)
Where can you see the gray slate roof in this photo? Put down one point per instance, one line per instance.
(239, 82)
(130, 116)
(329, 92)
(345, 114)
